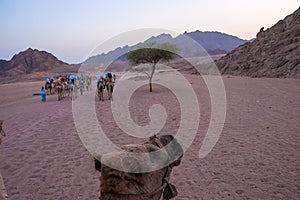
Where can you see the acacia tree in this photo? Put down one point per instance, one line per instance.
(152, 54)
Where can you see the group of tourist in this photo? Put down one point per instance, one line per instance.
(69, 85)
(66, 85)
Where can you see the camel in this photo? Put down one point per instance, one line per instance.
(52, 88)
(67, 89)
(48, 88)
(60, 89)
(73, 91)
(88, 83)
(60, 92)
(81, 86)
(100, 88)
(2, 133)
(153, 185)
(110, 88)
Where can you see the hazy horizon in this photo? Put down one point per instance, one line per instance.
(71, 31)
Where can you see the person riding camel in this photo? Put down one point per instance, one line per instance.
(108, 75)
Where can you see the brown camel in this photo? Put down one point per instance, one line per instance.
(110, 88)
(152, 185)
(100, 88)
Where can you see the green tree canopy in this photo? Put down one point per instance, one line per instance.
(152, 54)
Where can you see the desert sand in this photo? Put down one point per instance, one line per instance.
(256, 156)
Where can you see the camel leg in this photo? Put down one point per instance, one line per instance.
(111, 93)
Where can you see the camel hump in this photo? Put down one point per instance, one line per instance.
(131, 164)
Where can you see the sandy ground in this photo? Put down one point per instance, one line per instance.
(256, 156)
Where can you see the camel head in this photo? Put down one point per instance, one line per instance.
(173, 149)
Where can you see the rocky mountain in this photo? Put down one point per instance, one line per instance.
(213, 43)
(32, 62)
(274, 53)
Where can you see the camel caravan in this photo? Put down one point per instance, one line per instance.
(68, 85)
(122, 184)
(71, 85)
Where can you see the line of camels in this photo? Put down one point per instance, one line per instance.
(64, 87)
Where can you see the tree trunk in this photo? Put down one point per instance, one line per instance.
(150, 85)
(151, 75)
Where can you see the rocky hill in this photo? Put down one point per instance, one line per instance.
(214, 43)
(274, 53)
(32, 63)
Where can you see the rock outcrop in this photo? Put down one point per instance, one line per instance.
(32, 65)
(274, 53)
(30, 61)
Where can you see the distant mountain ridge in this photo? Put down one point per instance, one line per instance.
(274, 53)
(214, 43)
(216, 40)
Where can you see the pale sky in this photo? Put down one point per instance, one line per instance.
(71, 29)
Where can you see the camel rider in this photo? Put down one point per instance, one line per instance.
(72, 78)
(108, 75)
